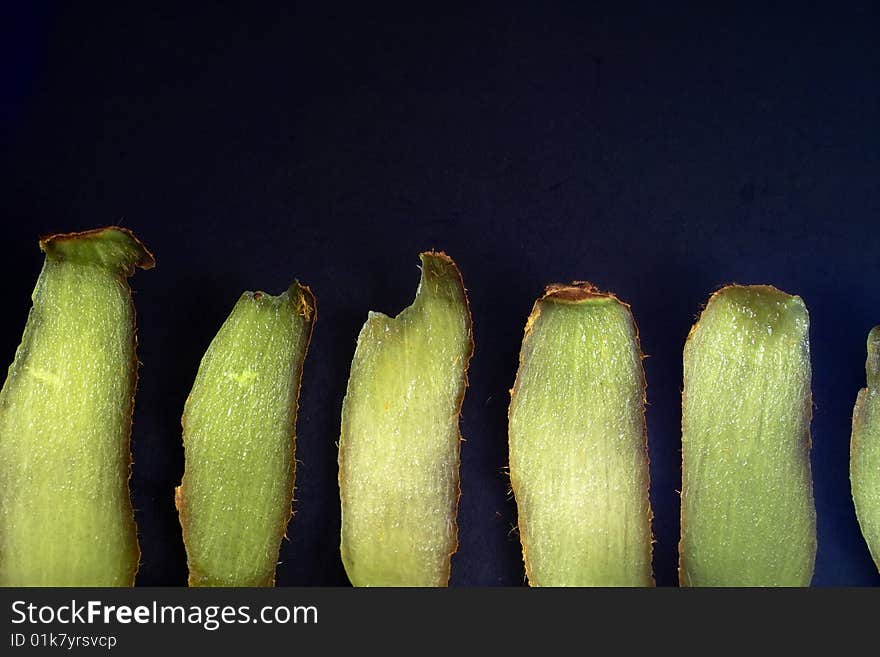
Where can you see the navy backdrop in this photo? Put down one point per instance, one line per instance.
(658, 152)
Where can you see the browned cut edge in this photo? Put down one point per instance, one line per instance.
(134, 383)
(135, 366)
(307, 308)
(146, 260)
(647, 453)
(445, 256)
(577, 292)
(573, 292)
(872, 361)
(460, 401)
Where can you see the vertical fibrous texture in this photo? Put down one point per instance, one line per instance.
(65, 419)
(865, 450)
(578, 451)
(239, 440)
(399, 446)
(747, 514)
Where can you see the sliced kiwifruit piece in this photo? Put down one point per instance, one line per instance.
(864, 465)
(399, 445)
(578, 450)
(747, 513)
(239, 439)
(65, 419)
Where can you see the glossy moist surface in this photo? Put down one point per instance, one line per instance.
(747, 510)
(65, 420)
(578, 460)
(865, 450)
(399, 448)
(239, 440)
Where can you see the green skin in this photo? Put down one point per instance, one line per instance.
(865, 450)
(578, 451)
(747, 513)
(65, 420)
(399, 448)
(239, 440)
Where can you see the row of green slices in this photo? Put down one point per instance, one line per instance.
(578, 442)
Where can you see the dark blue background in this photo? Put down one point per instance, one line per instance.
(658, 152)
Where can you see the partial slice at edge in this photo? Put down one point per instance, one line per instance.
(399, 445)
(65, 419)
(747, 512)
(239, 438)
(578, 443)
(865, 450)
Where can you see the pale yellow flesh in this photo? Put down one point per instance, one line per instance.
(865, 450)
(399, 447)
(239, 437)
(747, 513)
(578, 454)
(65, 419)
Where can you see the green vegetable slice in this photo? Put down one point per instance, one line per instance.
(864, 466)
(65, 419)
(578, 443)
(399, 445)
(747, 513)
(239, 425)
